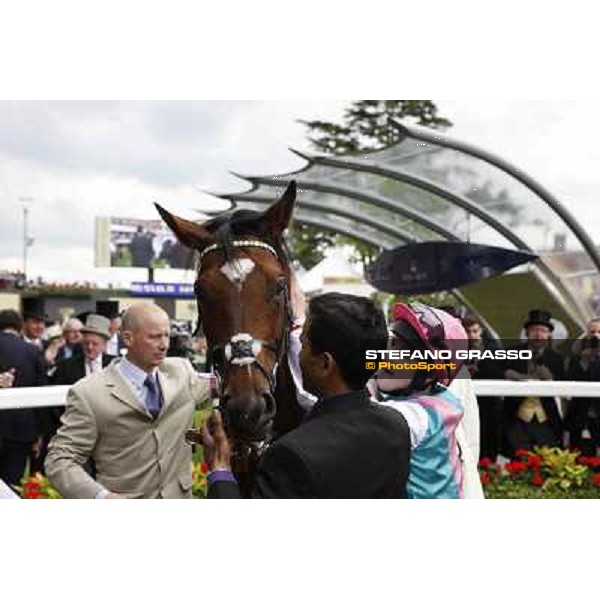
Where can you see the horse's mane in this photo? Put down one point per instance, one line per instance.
(244, 223)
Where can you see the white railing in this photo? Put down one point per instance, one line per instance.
(33, 397)
(501, 387)
(38, 397)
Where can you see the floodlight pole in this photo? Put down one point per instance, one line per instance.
(25, 202)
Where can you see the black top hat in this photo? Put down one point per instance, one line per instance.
(33, 308)
(538, 316)
(107, 308)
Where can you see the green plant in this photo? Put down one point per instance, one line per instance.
(542, 473)
(562, 468)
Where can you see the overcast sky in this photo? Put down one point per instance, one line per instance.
(80, 160)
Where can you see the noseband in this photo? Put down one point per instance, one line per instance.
(242, 349)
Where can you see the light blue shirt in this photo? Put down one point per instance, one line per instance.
(135, 378)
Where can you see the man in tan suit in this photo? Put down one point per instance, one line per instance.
(130, 419)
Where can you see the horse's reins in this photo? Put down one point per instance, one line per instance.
(242, 349)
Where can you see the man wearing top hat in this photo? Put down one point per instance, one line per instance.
(534, 421)
(34, 321)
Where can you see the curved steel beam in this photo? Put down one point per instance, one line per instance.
(314, 206)
(376, 241)
(373, 199)
(432, 137)
(327, 225)
(422, 183)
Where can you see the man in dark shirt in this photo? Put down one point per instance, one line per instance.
(19, 428)
(582, 420)
(348, 446)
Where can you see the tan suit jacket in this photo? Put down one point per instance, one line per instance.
(135, 455)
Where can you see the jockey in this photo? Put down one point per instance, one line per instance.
(433, 412)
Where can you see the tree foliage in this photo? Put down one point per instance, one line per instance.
(308, 244)
(365, 127)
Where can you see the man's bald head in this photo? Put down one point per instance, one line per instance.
(145, 331)
(138, 315)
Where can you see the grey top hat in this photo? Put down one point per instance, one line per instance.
(97, 324)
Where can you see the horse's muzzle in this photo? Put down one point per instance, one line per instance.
(248, 419)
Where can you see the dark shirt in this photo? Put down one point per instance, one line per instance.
(348, 447)
(70, 371)
(24, 424)
(582, 410)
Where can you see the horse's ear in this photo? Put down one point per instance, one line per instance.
(193, 235)
(278, 216)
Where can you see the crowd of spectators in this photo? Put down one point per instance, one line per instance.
(509, 424)
(35, 352)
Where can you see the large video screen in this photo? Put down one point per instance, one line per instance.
(123, 242)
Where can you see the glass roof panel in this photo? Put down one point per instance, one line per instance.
(508, 200)
(406, 227)
(345, 225)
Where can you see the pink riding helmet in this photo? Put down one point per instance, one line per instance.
(437, 329)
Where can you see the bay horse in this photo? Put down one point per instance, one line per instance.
(243, 296)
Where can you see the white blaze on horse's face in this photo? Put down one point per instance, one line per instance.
(237, 270)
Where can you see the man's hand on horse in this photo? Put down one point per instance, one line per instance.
(217, 450)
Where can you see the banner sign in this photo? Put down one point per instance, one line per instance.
(174, 290)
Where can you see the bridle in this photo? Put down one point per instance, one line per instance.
(241, 348)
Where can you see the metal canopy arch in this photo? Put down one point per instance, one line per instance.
(418, 182)
(376, 224)
(368, 234)
(546, 274)
(365, 197)
(429, 200)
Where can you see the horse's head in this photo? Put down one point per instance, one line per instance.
(242, 289)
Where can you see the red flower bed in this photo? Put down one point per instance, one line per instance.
(548, 470)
